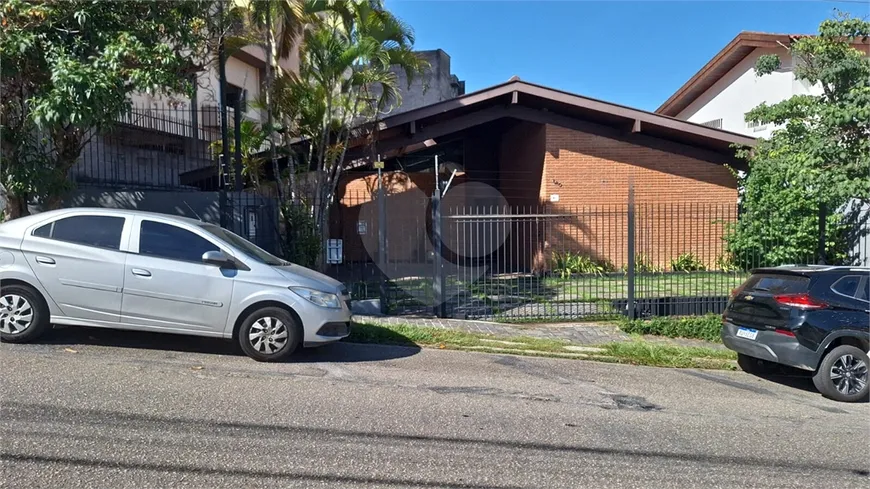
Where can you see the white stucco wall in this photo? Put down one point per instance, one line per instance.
(740, 90)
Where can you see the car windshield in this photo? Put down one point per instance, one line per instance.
(249, 249)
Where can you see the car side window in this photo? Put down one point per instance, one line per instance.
(97, 231)
(847, 285)
(864, 290)
(171, 242)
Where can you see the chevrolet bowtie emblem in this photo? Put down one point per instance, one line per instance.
(749, 297)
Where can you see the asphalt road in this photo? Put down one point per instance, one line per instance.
(100, 409)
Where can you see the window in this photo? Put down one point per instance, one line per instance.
(847, 285)
(864, 293)
(778, 284)
(171, 242)
(249, 249)
(756, 126)
(99, 231)
(43, 231)
(715, 123)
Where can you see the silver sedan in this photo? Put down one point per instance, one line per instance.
(141, 271)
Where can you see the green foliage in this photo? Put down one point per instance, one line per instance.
(706, 327)
(819, 155)
(687, 262)
(69, 67)
(252, 141)
(725, 263)
(303, 240)
(568, 263)
(644, 264)
(344, 84)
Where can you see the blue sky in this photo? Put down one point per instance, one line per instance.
(631, 53)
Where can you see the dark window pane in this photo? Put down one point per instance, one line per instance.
(777, 284)
(100, 231)
(864, 293)
(167, 241)
(43, 231)
(847, 285)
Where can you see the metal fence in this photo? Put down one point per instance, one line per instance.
(166, 160)
(168, 148)
(543, 262)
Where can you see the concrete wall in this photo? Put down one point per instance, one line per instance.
(436, 84)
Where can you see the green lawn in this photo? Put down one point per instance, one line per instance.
(585, 288)
(635, 352)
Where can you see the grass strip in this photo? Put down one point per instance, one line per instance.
(635, 352)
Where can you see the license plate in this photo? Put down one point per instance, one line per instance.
(747, 333)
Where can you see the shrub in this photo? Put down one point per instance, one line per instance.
(643, 264)
(706, 327)
(303, 241)
(687, 262)
(567, 263)
(726, 263)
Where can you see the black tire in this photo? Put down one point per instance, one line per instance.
(826, 384)
(259, 350)
(756, 366)
(37, 307)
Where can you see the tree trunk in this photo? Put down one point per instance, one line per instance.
(270, 83)
(17, 207)
(291, 161)
(4, 198)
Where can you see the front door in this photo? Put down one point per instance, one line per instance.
(78, 262)
(167, 286)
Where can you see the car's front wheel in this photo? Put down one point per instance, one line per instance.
(24, 315)
(842, 375)
(270, 334)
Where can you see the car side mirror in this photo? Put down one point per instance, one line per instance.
(218, 258)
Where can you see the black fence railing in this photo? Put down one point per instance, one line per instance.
(546, 262)
(169, 148)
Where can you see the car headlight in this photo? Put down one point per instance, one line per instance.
(318, 298)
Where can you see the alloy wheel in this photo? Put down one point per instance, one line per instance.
(16, 314)
(849, 374)
(268, 335)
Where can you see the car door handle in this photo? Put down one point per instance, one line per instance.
(141, 272)
(45, 260)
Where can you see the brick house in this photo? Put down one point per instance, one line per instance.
(532, 150)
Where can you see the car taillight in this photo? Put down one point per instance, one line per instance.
(784, 332)
(800, 301)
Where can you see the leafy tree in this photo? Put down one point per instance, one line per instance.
(252, 140)
(67, 68)
(818, 158)
(344, 82)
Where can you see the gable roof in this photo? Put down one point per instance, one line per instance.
(527, 101)
(733, 53)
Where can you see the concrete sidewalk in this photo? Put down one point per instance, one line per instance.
(578, 333)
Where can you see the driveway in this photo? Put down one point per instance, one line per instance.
(105, 409)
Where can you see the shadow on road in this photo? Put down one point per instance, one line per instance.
(338, 352)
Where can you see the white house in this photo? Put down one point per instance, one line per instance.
(726, 88)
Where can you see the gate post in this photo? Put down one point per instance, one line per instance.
(631, 252)
(438, 306)
(382, 238)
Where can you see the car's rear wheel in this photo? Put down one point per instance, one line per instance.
(270, 334)
(842, 375)
(24, 314)
(756, 366)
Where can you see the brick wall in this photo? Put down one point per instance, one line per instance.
(408, 215)
(683, 202)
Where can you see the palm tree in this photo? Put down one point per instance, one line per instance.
(345, 81)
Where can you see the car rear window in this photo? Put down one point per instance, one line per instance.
(847, 285)
(777, 284)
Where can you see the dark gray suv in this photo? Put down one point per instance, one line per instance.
(815, 318)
